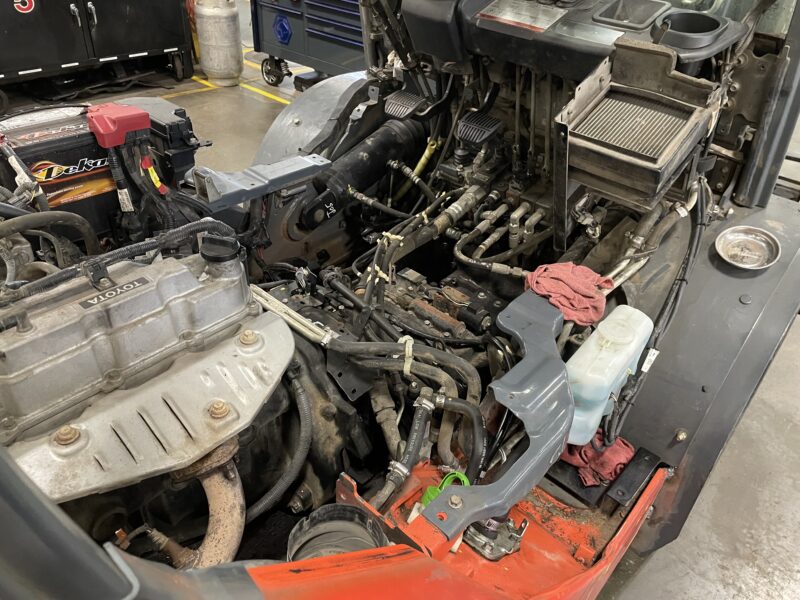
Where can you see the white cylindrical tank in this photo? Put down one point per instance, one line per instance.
(220, 40)
(600, 367)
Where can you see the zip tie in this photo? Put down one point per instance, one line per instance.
(424, 216)
(378, 272)
(392, 236)
(408, 356)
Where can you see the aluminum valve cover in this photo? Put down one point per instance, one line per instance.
(84, 341)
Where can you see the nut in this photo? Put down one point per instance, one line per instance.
(681, 435)
(67, 435)
(219, 409)
(248, 337)
(455, 501)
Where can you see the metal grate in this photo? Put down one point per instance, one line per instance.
(634, 124)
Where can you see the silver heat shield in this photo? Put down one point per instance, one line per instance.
(135, 368)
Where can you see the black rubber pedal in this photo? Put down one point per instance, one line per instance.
(402, 104)
(477, 128)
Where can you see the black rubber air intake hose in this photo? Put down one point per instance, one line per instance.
(364, 164)
(288, 477)
(52, 218)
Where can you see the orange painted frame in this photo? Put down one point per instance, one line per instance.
(401, 572)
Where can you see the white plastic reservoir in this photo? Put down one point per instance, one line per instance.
(600, 367)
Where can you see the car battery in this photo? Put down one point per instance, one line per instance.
(64, 156)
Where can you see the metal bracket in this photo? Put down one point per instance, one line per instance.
(222, 190)
(537, 392)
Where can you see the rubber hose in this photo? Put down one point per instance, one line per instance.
(165, 240)
(271, 498)
(466, 371)
(478, 451)
(376, 204)
(49, 219)
(431, 374)
(416, 437)
(413, 178)
(659, 231)
(386, 416)
(9, 211)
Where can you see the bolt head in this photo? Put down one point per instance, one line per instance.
(681, 435)
(248, 337)
(219, 409)
(66, 435)
(455, 501)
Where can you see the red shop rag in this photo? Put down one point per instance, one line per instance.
(596, 467)
(573, 289)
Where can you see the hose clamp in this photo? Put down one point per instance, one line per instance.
(399, 469)
(424, 403)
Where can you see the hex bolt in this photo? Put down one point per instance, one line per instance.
(67, 435)
(455, 501)
(219, 409)
(248, 337)
(681, 435)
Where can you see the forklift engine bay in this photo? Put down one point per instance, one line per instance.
(473, 320)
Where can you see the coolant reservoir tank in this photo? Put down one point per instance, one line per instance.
(601, 366)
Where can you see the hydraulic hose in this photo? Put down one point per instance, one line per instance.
(413, 178)
(613, 424)
(271, 498)
(52, 218)
(376, 204)
(430, 150)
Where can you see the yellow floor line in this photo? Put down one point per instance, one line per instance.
(208, 84)
(250, 63)
(187, 92)
(265, 94)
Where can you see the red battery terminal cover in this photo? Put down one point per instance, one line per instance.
(110, 123)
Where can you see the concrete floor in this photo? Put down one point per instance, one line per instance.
(741, 540)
